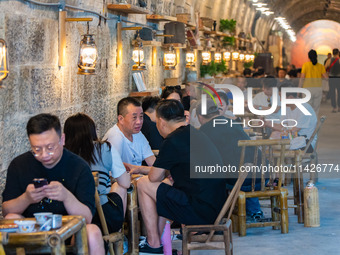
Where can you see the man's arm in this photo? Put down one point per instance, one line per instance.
(124, 180)
(56, 191)
(156, 174)
(19, 205)
(150, 160)
(302, 79)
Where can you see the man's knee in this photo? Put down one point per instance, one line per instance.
(143, 183)
(94, 233)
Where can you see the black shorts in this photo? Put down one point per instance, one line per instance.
(113, 211)
(173, 204)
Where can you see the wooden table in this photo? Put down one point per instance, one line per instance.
(52, 241)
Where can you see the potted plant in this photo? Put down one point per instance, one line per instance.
(228, 40)
(213, 69)
(228, 25)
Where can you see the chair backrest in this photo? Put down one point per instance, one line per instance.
(316, 132)
(99, 206)
(229, 204)
(266, 148)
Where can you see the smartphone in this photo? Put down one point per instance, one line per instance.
(39, 182)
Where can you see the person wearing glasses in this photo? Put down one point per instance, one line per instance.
(70, 189)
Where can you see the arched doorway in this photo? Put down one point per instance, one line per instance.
(320, 35)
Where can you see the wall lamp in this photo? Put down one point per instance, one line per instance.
(138, 55)
(206, 57)
(190, 59)
(3, 61)
(235, 55)
(169, 60)
(218, 57)
(88, 53)
(226, 56)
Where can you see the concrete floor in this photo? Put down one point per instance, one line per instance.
(300, 240)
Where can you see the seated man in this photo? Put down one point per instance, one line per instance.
(71, 186)
(305, 124)
(225, 137)
(191, 201)
(126, 135)
(149, 128)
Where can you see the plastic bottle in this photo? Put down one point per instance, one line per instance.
(166, 239)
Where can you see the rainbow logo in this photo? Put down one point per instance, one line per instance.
(208, 92)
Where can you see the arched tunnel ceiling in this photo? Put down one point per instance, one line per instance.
(301, 12)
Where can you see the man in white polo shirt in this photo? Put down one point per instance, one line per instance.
(126, 137)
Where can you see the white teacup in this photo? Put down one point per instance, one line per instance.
(42, 217)
(25, 226)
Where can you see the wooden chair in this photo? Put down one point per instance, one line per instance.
(212, 241)
(298, 157)
(116, 238)
(277, 195)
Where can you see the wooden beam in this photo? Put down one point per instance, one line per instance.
(62, 38)
(119, 44)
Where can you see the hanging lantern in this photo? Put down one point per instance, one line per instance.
(138, 56)
(169, 60)
(241, 57)
(252, 57)
(218, 57)
(226, 56)
(235, 55)
(3, 60)
(247, 57)
(190, 59)
(87, 56)
(206, 57)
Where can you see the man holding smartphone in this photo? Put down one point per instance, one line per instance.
(70, 189)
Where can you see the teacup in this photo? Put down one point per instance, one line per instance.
(25, 226)
(42, 217)
(56, 221)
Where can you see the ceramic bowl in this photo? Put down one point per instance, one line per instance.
(42, 217)
(25, 226)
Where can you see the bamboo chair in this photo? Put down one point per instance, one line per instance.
(277, 195)
(212, 241)
(116, 238)
(310, 158)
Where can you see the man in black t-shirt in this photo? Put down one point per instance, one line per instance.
(190, 200)
(70, 189)
(225, 137)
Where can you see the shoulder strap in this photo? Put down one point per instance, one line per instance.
(333, 63)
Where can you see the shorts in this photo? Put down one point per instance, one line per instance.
(173, 204)
(114, 213)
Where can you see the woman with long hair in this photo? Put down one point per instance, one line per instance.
(81, 138)
(311, 78)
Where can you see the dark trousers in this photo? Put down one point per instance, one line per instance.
(334, 86)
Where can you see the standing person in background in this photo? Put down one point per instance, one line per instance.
(311, 78)
(333, 64)
(81, 138)
(329, 56)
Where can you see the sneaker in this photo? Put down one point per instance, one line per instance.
(145, 248)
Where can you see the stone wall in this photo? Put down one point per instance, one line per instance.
(36, 84)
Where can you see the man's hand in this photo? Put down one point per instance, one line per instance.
(35, 195)
(56, 191)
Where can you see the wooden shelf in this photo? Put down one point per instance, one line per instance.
(149, 43)
(160, 18)
(198, 48)
(210, 32)
(175, 45)
(127, 8)
(204, 29)
(143, 93)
